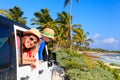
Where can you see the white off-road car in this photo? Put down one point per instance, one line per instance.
(10, 66)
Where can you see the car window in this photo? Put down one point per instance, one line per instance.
(4, 47)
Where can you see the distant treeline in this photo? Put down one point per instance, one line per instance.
(103, 50)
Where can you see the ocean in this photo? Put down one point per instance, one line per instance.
(109, 58)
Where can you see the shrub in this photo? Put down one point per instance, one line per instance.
(80, 67)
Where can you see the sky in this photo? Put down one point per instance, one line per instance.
(101, 18)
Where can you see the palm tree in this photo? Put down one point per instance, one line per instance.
(5, 13)
(65, 4)
(87, 40)
(63, 22)
(17, 15)
(43, 19)
(80, 38)
(14, 14)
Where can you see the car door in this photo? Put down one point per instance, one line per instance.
(7, 51)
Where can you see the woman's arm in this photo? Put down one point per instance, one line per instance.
(27, 60)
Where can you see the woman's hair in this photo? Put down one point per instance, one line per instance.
(23, 46)
(35, 48)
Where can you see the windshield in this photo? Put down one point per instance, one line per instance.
(4, 47)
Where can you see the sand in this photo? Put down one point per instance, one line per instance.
(111, 66)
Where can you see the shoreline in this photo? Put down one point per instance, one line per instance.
(92, 52)
(111, 66)
(98, 55)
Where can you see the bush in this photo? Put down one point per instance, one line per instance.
(80, 67)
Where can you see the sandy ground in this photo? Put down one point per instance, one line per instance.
(112, 66)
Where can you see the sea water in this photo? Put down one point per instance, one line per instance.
(110, 58)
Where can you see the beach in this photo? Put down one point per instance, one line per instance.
(111, 66)
(107, 58)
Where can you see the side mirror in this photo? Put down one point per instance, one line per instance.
(52, 56)
(51, 59)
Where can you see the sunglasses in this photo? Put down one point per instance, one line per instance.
(50, 39)
(32, 39)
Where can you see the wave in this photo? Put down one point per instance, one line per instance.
(110, 58)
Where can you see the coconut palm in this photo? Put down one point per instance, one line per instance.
(43, 19)
(65, 4)
(17, 15)
(67, 1)
(14, 14)
(87, 40)
(63, 20)
(64, 38)
(81, 38)
(5, 13)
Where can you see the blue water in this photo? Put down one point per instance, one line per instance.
(109, 58)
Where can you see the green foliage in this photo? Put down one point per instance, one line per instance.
(116, 72)
(74, 60)
(90, 74)
(113, 64)
(102, 50)
(15, 14)
(80, 67)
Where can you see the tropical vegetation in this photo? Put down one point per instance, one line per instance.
(77, 66)
(81, 67)
(70, 18)
(61, 26)
(15, 14)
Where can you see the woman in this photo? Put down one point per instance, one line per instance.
(30, 41)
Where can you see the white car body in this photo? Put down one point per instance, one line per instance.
(10, 69)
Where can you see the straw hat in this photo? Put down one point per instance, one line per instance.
(33, 31)
(48, 33)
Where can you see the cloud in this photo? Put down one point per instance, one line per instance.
(96, 35)
(110, 40)
(109, 43)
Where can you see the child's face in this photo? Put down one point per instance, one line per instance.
(47, 39)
